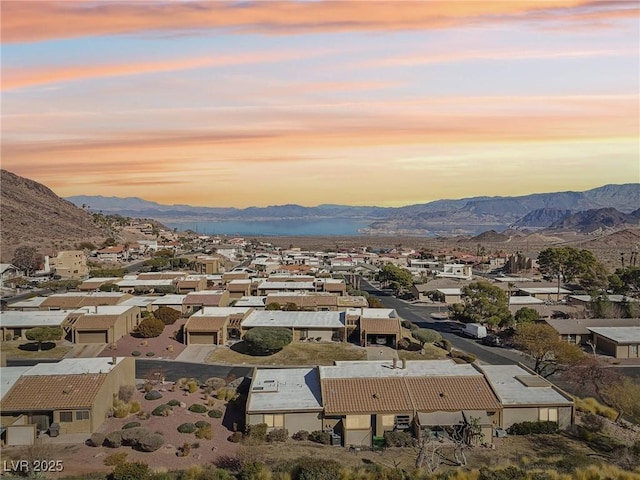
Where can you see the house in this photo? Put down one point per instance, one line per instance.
(192, 283)
(322, 326)
(527, 397)
(215, 325)
(70, 264)
(14, 324)
(175, 302)
(28, 305)
(287, 398)
(379, 326)
(104, 324)
(577, 330)
(93, 284)
(268, 286)
(9, 271)
(207, 265)
(619, 342)
(331, 285)
(257, 303)
(72, 300)
(195, 301)
(456, 270)
(450, 295)
(112, 254)
(239, 288)
(74, 395)
(136, 284)
(548, 294)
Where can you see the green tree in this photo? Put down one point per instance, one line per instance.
(273, 306)
(291, 307)
(566, 264)
(526, 315)
(426, 335)
(43, 334)
(550, 354)
(396, 278)
(167, 315)
(109, 242)
(150, 327)
(267, 340)
(27, 259)
(483, 303)
(109, 287)
(625, 281)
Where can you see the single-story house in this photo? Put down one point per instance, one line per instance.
(239, 288)
(527, 397)
(70, 300)
(9, 271)
(192, 283)
(29, 305)
(576, 330)
(450, 295)
(93, 284)
(15, 324)
(619, 342)
(547, 294)
(207, 265)
(331, 285)
(585, 300)
(257, 303)
(215, 325)
(74, 395)
(325, 326)
(268, 286)
(173, 301)
(133, 284)
(287, 398)
(195, 301)
(456, 270)
(106, 324)
(380, 326)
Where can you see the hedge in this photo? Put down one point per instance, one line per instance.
(533, 428)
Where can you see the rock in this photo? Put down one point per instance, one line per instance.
(98, 455)
(183, 405)
(168, 446)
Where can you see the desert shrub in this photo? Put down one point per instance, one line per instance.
(153, 395)
(403, 344)
(113, 439)
(569, 463)
(509, 473)
(96, 439)
(267, 340)
(131, 471)
(147, 387)
(160, 410)
(226, 394)
(136, 353)
(184, 450)
(150, 354)
(302, 435)
(134, 407)
(532, 428)
(593, 423)
(130, 425)
(167, 315)
(120, 408)
(463, 356)
(320, 436)
(317, 469)
(591, 405)
(254, 471)
(397, 438)
(187, 428)
(227, 462)
(132, 436)
(192, 386)
(150, 443)
(215, 413)
(202, 423)
(446, 344)
(235, 437)
(197, 408)
(215, 383)
(150, 327)
(278, 435)
(205, 432)
(407, 324)
(426, 335)
(115, 459)
(125, 393)
(257, 431)
(173, 403)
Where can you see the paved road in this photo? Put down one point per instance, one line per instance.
(173, 370)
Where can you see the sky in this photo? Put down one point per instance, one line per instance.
(311, 102)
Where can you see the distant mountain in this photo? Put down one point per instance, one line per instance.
(542, 217)
(443, 217)
(33, 215)
(490, 236)
(597, 219)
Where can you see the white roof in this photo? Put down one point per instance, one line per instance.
(139, 301)
(534, 290)
(220, 311)
(44, 318)
(105, 310)
(88, 294)
(285, 389)
(525, 300)
(384, 368)
(74, 366)
(379, 313)
(450, 291)
(169, 300)
(612, 298)
(513, 279)
(275, 318)
(205, 292)
(9, 376)
(267, 285)
(618, 334)
(33, 302)
(126, 282)
(251, 302)
(240, 281)
(512, 391)
(7, 266)
(101, 279)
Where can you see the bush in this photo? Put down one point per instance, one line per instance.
(267, 340)
(96, 440)
(150, 354)
(197, 408)
(126, 426)
(253, 471)
(113, 440)
(192, 386)
(167, 315)
(173, 403)
(446, 345)
(317, 469)
(301, 435)
(235, 437)
(403, 344)
(150, 443)
(463, 356)
(132, 436)
(257, 431)
(215, 413)
(187, 428)
(131, 471)
(397, 438)
(215, 383)
(205, 432)
(425, 335)
(278, 435)
(202, 423)
(121, 409)
(134, 406)
(115, 459)
(161, 410)
(226, 394)
(150, 327)
(153, 395)
(593, 423)
(125, 393)
(320, 436)
(227, 462)
(135, 353)
(532, 428)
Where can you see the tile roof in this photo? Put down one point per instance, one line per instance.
(93, 322)
(205, 324)
(381, 325)
(452, 393)
(211, 300)
(53, 392)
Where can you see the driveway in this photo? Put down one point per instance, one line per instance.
(86, 350)
(196, 353)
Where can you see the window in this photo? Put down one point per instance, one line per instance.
(82, 415)
(548, 415)
(357, 422)
(274, 421)
(66, 416)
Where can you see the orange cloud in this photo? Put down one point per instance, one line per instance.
(39, 20)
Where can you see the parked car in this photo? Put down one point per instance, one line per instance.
(474, 330)
(492, 341)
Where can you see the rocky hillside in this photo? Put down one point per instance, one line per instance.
(33, 215)
(599, 219)
(542, 217)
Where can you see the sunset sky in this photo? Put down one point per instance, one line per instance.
(351, 102)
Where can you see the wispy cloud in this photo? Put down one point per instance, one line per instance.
(39, 20)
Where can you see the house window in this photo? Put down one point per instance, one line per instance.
(403, 421)
(82, 415)
(357, 422)
(274, 421)
(66, 416)
(548, 414)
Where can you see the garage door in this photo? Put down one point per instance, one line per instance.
(202, 339)
(99, 336)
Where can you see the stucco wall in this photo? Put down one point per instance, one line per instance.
(358, 438)
(309, 421)
(511, 415)
(122, 374)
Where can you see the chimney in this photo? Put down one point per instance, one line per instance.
(404, 363)
(113, 360)
(395, 363)
(95, 309)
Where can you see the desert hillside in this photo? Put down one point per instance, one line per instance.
(33, 215)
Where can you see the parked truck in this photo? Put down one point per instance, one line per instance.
(474, 330)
